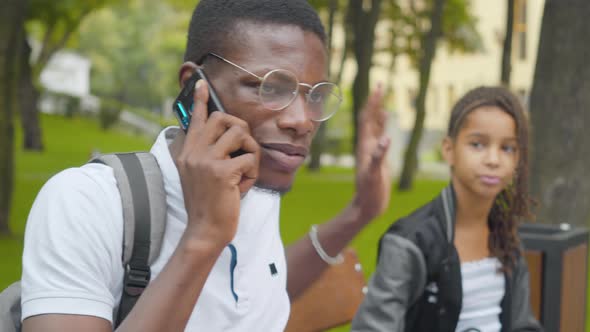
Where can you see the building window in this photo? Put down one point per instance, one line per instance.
(520, 27)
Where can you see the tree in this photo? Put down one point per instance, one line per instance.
(430, 40)
(318, 143)
(507, 49)
(560, 113)
(17, 75)
(53, 22)
(413, 31)
(136, 48)
(28, 97)
(12, 15)
(363, 16)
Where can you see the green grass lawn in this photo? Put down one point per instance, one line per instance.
(316, 197)
(68, 143)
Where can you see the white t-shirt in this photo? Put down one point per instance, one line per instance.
(73, 249)
(483, 290)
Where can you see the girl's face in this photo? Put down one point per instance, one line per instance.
(484, 155)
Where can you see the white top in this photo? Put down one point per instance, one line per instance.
(73, 249)
(483, 290)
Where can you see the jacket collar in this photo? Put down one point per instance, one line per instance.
(447, 211)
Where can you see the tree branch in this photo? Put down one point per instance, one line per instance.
(49, 51)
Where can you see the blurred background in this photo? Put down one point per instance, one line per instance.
(79, 78)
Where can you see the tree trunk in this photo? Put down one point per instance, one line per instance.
(12, 13)
(30, 73)
(507, 50)
(344, 55)
(560, 113)
(429, 45)
(317, 147)
(28, 98)
(363, 22)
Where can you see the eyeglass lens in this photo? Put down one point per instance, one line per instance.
(280, 87)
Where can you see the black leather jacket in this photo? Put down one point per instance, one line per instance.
(417, 284)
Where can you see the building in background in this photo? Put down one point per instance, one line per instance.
(453, 74)
(66, 79)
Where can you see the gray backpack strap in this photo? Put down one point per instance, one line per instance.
(10, 311)
(143, 199)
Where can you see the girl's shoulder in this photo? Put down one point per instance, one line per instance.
(420, 220)
(425, 227)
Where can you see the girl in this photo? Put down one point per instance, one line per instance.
(455, 264)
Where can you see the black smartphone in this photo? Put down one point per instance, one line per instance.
(183, 105)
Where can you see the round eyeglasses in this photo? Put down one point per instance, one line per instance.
(279, 88)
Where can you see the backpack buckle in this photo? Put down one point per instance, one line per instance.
(136, 279)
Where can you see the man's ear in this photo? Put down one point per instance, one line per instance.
(447, 150)
(186, 71)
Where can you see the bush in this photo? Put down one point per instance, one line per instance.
(109, 112)
(71, 106)
(59, 103)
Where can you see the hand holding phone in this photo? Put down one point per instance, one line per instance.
(213, 184)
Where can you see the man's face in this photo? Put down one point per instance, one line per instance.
(284, 136)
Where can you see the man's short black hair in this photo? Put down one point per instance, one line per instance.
(213, 23)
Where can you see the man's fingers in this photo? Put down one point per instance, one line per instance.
(378, 155)
(371, 130)
(375, 102)
(218, 123)
(377, 97)
(246, 166)
(373, 117)
(234, 139)
(199, 110)
(251, 156)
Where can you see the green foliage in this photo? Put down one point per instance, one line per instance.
(321, 5)
(183, 5)
(459, 27)
(409, 23)
(72, 106)
(318, 4)
(136, 49)
(109, 112)
(67, 11)
(52, 23)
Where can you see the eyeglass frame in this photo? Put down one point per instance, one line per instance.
(295, 93)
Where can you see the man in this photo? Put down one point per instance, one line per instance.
(222, 213)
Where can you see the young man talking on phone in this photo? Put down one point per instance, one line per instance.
(267, 62)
